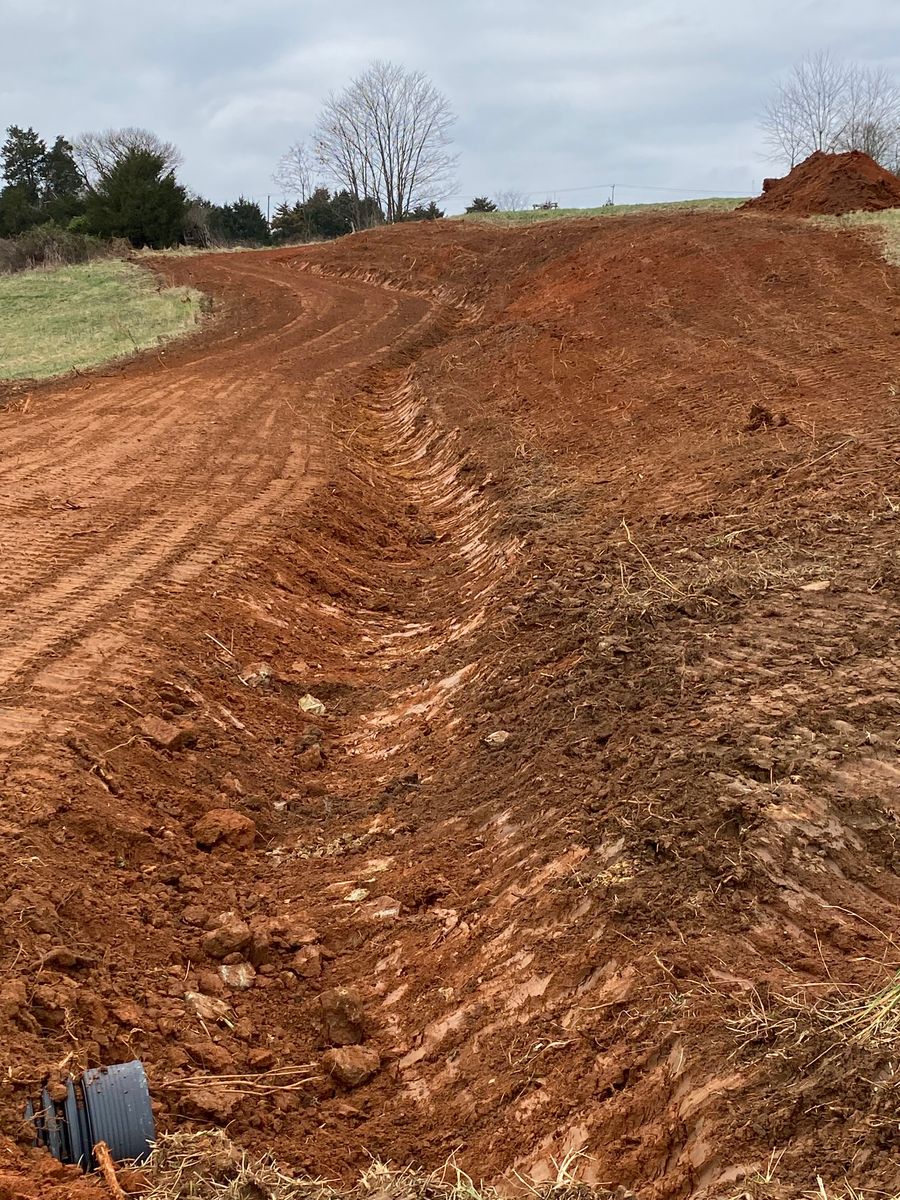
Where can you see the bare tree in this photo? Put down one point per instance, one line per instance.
(511, 200)
(873, 116)
(294, 172)
(97, 153)
(387, 136)
(828, 105)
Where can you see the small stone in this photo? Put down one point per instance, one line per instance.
(232, 784)
(167, 736)
(309, 759)
(127, 1013)
(821, 585)
(238, 976)
(255, 674)
(208, 1104)
(342, 1012)
(260, 1060)
(64, 959)
(497, 740)
(210, 983)
(357, 896)
(290, 933)
(384, 908)
(207, 1008)
(352, 1065)
(231, 936)
(225, 826)
(209, 1055)
(195, 914)
(307, 962)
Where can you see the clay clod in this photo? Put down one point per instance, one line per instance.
(351, 1065)
(342, 1013)
(225, 826)
(231, 936)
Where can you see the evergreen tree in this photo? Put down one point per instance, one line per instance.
(244, 221)
(60, 178)
(62, 188)
(324, 216)
(138, 200)
(17, 213)
(22, 161)
(482, 204)
(425, 212)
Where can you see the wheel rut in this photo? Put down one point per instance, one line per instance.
(167, 476)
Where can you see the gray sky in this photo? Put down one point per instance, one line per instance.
(551, 94)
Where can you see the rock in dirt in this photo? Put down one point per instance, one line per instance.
(281, 933)
(307, 962)
(351, 1065)
(256, 674)
(342, 1012)
(209, 1055)
(231, 936)
(207, 1008)
(225, 826)
(498, 739)
(210, 1105)
(238, 976)
(166, 736)
(62, 958)
(260, 1059)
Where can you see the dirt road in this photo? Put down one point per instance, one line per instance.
(585, 539)
(113, 491)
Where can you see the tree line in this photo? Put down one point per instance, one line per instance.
(120, 183)
(380, 152)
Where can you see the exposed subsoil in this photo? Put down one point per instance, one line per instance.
(830, 184)
(585, 536)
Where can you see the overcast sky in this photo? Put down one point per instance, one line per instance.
(552, 95)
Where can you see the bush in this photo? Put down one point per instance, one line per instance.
(52, 246)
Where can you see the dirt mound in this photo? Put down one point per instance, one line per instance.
(831, 184)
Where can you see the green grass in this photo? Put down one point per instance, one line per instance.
(80, 316)
(720, 204)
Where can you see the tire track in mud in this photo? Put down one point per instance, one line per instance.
(163, 475)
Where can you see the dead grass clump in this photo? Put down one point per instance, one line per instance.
(208, 1166)
(869, 1022)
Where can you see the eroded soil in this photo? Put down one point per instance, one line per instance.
(585, 537)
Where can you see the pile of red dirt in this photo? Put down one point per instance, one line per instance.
(831, 184)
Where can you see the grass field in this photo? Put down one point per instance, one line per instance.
(52, 321)
(526, 216)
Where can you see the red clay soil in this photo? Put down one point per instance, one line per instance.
(830, 184)
(585, 536)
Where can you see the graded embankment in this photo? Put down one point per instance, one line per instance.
(455, 712)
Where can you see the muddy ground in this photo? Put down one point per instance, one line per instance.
(586, 538)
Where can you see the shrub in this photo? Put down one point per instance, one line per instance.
(52, 246)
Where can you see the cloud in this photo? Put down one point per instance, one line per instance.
(653, 94)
